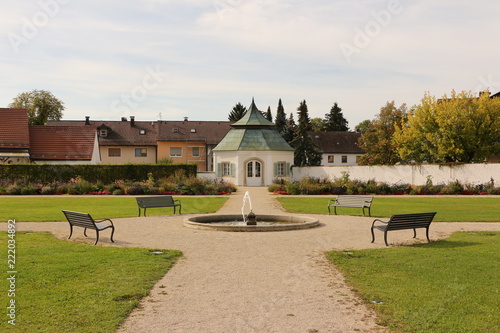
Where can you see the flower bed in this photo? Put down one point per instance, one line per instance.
(315, 186)
(173, 185)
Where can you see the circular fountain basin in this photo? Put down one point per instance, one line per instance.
(264, 223)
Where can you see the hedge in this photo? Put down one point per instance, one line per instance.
(47, 173)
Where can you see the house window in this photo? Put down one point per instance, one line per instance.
(195, 152)
(344, 159)
(281, 169)
(142, 132)
(330, 159)
(176, 130)
(175, 152)
(226, 169)
(114, 152)
(103, 133)
(141, 152)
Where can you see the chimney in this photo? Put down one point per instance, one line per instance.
(185, 118)
(87, 120)
(124, 118)
(132, 121)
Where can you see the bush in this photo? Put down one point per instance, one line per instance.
(275, 187)
(309, 185)
(29, 190)
(135, 190)
(195, 186)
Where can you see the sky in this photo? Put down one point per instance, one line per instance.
(170, 59)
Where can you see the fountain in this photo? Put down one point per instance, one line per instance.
(250, 222)
(250, 219)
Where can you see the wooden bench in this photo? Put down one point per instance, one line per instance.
(354, 201)
(156, 202)
(405, 221)
(85, 221)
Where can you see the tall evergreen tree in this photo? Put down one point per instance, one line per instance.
(290, 129)
(280, 120)
(237, 112)
(335, 121)
(305, 151)
(269, 115)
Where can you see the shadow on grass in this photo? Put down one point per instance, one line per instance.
(445, 244)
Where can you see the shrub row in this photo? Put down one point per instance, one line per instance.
(105, 173)
(309, 185)
(178, 183)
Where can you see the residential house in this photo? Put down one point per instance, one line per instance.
(63, 144)
(338, 148)
(14, 136)
(190, 141)
(121, 141)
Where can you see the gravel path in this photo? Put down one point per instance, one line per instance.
(230, 282)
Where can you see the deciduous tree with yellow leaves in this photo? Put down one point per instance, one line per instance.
(460, 128)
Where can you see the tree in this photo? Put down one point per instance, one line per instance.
(280, 120)
(290, 130)
(461, 128)
(269, 115)
(363, 126)
(318, 124)
(237, 112)
(378, 141)
(335, 121)
(305, 151)
(42, 106)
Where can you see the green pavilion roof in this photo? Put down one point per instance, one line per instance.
(253, 117)
(253, 132)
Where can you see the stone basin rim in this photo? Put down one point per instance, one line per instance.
(288, 222)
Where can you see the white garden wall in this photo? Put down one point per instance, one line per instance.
(407, 174)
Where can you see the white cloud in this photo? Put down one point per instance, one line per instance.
(220, 52)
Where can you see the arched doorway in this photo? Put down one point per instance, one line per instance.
(254, 173)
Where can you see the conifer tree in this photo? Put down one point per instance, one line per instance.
(289, 131)
(335, 120)
(280, 120)
(237, 112)
(269, 115)
(305, 151)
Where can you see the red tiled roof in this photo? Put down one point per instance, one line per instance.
(62, 142)
(337, 142)
(14, 128)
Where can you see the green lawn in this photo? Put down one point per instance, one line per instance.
(451, 285)
(449, 209)
(42, 209)
(69, 287)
